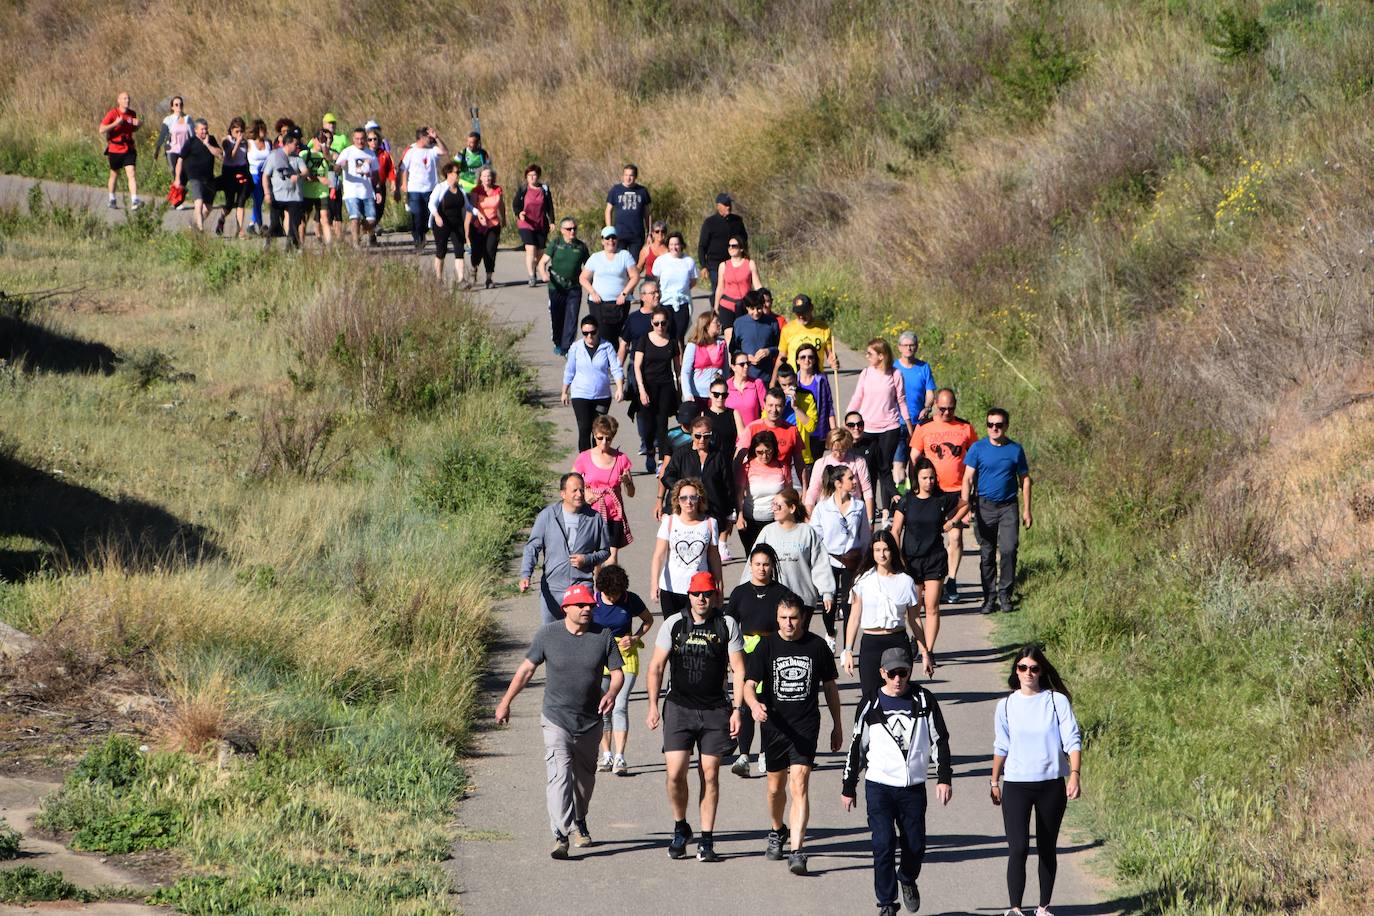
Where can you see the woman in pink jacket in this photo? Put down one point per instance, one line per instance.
(880, 399)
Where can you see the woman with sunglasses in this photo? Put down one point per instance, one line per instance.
(608, 478)
(686, 545)
(653, 249)
(883, 605)
(657, 362)
(703, 360)
(534, 215)
(677, 273)
(177, 128)
(760, 477)
(880, 399)
(746, 395)
(842, 522)
(738, 276)
(699, 459)
(840, 451)
(587, 378)
(485, 218)
(811, 377)
(803, 564)
(386, 171)
(1038, 749)
(608, 278)
(924, 515)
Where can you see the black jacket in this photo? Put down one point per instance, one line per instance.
(716, 233)
(718, 475)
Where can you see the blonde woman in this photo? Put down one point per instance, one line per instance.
(703, 361)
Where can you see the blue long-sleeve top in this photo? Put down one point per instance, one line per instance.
(589, 375)
(1036, 734)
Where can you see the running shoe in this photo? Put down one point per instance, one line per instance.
(796, 863)
(219, 226)
(253, 229)
(830, 641)
(911, 895)
(706, 852)
(952, 591)
(489, 284)
(649, 466)
(677, 847)
(763, 765)
(989, 605)
(725, 552)
(560, 847)
(136, 204)
(605, 765)
(582, 837)
(1043, 911)
(114, 204)
(741, 766)
(887, 909)
(533, 282)
(620, 767)
(776, 840)
(1014, 911)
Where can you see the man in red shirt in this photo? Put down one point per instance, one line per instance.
(117, 129)
(945, 440)
(789, 445)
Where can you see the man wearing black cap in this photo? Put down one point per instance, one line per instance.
(805, 328)
(899, 730)
(716, 232)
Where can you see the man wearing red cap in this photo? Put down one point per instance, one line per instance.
(575, 650)
(702, 645)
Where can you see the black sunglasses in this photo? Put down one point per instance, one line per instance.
(718, 394)
(899, 672)
(858, 425)
(1029, 669)
(992, 425)
(589, 332)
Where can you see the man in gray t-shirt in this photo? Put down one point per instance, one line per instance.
(282, 174)
(575, 651)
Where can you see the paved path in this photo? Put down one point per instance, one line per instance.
(501, 862)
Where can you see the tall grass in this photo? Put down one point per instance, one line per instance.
(309, 687)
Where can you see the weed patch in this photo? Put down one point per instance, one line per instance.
(27, 884)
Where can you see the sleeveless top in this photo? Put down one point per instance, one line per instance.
(735, 282)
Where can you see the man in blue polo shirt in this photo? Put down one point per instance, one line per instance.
(995, 470)
(919, 384)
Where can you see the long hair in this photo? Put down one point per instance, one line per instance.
(793, 499)
(833, 474)
(869, 563)
(703, 507)
(884, 353)
(921, 464)
(1049, 677)
(768, 551)
(699, 336)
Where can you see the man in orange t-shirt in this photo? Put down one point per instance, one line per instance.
(789, 445)
(117, 130)
(945, 441)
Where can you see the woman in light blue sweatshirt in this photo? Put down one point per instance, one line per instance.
(1038, 748)
(592, 366)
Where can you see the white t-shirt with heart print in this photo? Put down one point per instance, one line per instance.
(688, 551)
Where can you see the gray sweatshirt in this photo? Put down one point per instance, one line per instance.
(549, 536)
(803, 563)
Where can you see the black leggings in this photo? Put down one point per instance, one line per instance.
(1049, 801)
(661, 410)
(484, 249)
(446, 237)
(586, 410)
(672, 603)
(839, 608)
(750, 532)
(881, 447)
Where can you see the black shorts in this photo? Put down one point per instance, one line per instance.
(120, 160)
(336, 207)
(726, 315)
(929, 567)
(783, 749)
(237, 185)
(685, 729)
(312, 205)
(539, 238)
(446, 238)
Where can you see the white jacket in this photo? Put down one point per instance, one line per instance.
(897, 749)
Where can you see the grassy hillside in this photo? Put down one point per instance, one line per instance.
(231, 514)
(1141, 226)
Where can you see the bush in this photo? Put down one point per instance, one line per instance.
(146, 366)
(1237, 34)
(296, 440)
(9, 842)
(27, 884)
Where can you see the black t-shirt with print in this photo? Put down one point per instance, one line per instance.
(792, 673)
(923, 522)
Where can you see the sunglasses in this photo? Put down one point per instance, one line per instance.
(374, 140)
(602, 438)
(688, 498)
(806, 356)
(992, 425)
(589, 332)
(855, 425)
(945, 409)
(1028, 669)
(739, 364)
(568, 228)
(732, 245)
(700, 436)
(718, 394)
(702, 594)
(658, 324)
(899, 672)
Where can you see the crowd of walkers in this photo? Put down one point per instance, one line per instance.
(855, 515)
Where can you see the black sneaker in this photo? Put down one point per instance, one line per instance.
(776, 840)
(911, 895)
(887, 909)
(677, 847)
(989, 605)
(952, 591)
(1005, 603)
(796, 863)
(706, 852)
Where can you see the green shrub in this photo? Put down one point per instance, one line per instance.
(144, 367)
(1038, 64)
(9, 842)
(117, 763)
(27, 884)
(1237, 34)
(477, 474)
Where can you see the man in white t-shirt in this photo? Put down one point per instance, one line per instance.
(417, 177)
(358, 172)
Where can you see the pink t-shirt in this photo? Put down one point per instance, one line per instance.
(597, 477)
(747, 403)
(855, 464)
(876, 397)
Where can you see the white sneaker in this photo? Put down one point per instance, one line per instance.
(725, 552)
(605, 765)
(741, 766)
(830, 641)
(1043, 911)
(763, 765)
(620, 767)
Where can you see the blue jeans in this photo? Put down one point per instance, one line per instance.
(417, 205)
(897, 819)
(564, 304)
(256, 185)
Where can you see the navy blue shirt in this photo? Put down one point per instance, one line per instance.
(627, 209)
(998, 468)
(620, 617)
(750, 336)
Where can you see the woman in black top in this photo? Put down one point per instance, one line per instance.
(657, 363)
(755, 605)
(447, 213)
(923, 516)
(700, 460)
(235, 180)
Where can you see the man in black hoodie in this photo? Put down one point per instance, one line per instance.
(716, 232)
(898, 732)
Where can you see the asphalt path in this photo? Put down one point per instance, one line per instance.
(501, 862)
